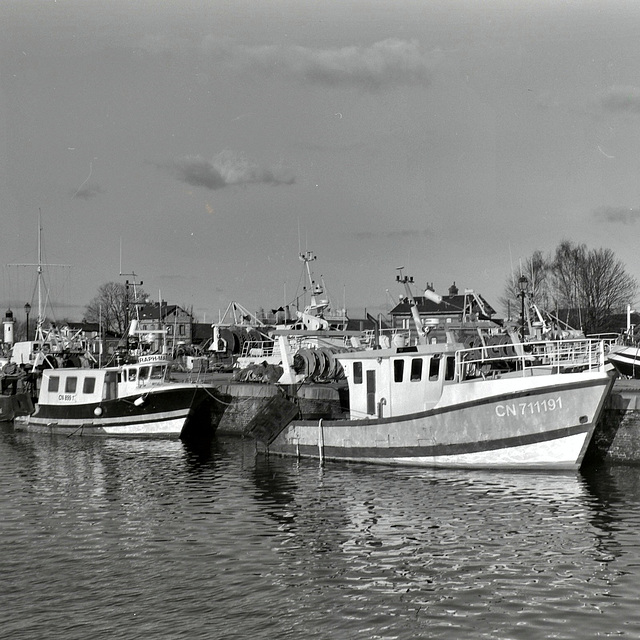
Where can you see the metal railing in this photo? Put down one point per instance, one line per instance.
(550, 356)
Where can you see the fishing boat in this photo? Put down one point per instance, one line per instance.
(625, 357)
(534, 405)
(624, 349)
(137, 399)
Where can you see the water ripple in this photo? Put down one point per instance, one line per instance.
(120, 539)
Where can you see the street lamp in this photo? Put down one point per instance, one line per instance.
(27, 310)
(522, 285)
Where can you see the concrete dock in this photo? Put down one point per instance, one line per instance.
(617, 436)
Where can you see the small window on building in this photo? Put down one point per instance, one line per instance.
(54, 384)
(416, 369)
(89, 385)
(170, 329)
(450, 371)
(357, 372)
(181, 329)
(398, 370)
(71, 384)
(434, 368)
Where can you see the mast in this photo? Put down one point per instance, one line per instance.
(406, 281)
(40, 320)
(315, 307)
(40, 265)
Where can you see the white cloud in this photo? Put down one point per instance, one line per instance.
(387, 63)
(227, 169)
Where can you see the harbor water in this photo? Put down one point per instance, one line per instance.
(109, 539)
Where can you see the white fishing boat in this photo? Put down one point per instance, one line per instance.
(433, 404)
(136, 399)
(625, 357)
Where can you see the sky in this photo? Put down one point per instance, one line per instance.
(202, 145)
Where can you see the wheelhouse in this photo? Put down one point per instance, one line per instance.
(80, 386)
(408, 381)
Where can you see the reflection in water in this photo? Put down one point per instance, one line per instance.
(120, 538)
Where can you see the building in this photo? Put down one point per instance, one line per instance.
(164, 326)
(454, 309)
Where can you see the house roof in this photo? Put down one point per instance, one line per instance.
(450, 304)
(150, 311)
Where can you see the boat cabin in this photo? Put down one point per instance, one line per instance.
(397, 381)
(82, 386)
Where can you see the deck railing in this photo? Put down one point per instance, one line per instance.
(551, 356)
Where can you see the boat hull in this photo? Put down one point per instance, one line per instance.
(626, 360)
(548, 426)
(173, 412)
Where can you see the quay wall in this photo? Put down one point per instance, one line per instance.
(617, 435)
(246, 400)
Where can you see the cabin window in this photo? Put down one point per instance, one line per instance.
(434, 368)
(157, 372)
(144, 372)
(357, 373)
(416, 369)
(450, 371)
(89, 385)
(398, 370)
(132, 374)
(71, 384)
(54, 383)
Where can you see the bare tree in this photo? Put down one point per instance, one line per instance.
(113, 306)
(588, 285)
(605, 287)
(567, 268)
(536, 270)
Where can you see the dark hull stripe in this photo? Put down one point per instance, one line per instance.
(430, 450)
(164, 402)
(502, 398)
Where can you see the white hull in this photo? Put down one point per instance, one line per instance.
(561, 453)
(164, 424)
(541, 422)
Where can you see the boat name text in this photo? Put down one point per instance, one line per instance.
(528, 408)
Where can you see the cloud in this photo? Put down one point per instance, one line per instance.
(621, 99)
(388, 63)
(618, 215)
(227, 169)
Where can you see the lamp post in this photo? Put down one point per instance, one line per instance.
(27, 310)
(522, 285)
